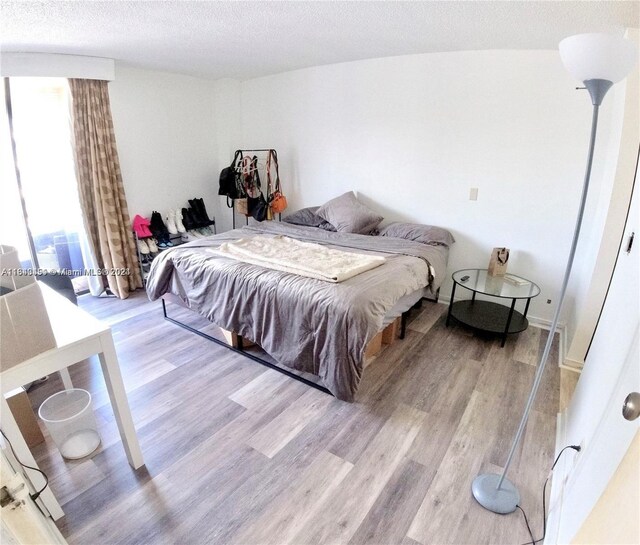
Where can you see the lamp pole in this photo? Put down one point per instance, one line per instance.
(599, 60)
(496, 492)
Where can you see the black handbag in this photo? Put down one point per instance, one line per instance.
(229, 180)
(256, 205)
(259, 208)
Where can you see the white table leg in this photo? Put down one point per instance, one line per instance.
(66, 378)
(119, 403)
(11, 430)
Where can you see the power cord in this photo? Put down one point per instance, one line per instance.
(544, 500)
(35, 495)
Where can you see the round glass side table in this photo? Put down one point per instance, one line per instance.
(488, 316)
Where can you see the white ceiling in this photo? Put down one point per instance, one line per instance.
(250, 39)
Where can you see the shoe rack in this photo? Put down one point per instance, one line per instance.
(144, 260)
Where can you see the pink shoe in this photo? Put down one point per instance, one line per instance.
(141, 226)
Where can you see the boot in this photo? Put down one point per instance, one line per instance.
(203, 211)
(171, 223)
(195, 213)
(177, 214)
(158, 228)
(195, 218)
(187, 220)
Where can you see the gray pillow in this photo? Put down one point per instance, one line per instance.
(349, 215)
(427, 234)
(309, 218)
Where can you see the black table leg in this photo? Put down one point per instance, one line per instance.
(526, 308)
(453, 292)
(506, 330)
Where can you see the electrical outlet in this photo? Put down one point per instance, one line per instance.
(473, 194)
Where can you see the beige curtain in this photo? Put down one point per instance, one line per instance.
(100, 186)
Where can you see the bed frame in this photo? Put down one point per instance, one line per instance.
(237, 344)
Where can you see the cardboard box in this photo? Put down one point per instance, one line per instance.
(25, 329)
(20, 406)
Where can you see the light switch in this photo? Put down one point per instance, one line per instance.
(473, 194)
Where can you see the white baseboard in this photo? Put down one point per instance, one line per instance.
(557, 484)
(572, 365)
(541, 323)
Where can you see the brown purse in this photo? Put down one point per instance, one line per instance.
(277, 200)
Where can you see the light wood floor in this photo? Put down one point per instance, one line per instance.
(236, 453)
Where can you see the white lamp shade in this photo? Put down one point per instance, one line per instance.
(598, 56)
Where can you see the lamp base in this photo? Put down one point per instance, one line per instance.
(501, 500)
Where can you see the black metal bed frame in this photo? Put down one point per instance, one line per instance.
(240, 349)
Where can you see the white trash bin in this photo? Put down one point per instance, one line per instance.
(71, 423)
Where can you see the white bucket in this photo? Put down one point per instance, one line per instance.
(71, 423)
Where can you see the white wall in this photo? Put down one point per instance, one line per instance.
(165, 132)
(599, 246)
(228, 130)
(413, 134)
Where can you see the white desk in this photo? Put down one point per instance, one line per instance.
(78, 336)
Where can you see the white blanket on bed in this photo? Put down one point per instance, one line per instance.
(286, 254)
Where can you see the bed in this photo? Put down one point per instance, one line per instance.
(307, 325)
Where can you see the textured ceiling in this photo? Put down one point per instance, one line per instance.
(250, 39)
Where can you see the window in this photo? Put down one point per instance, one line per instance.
(47, 227)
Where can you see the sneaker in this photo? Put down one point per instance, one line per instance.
(143, 248)
(153, 248)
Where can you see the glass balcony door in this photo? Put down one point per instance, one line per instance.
(42, 134)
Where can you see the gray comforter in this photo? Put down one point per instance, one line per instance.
(306, 324)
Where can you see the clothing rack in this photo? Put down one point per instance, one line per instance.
(251, 153)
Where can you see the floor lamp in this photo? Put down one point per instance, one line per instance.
(598, 60)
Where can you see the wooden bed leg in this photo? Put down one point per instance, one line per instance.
(235, 340)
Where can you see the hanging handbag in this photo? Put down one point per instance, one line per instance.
(228, 183)
(242, 205)
(277, 200)
(243, 178)
(258, 206)
(254, 191)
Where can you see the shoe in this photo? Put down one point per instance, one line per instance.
(198, 205)
(171, 223)
(158, 228)
(203, 212)
(153, 248)
(204, 231)
(196, 234)
(197, 222)
(177, 214)
(195, 216)
(143, 248)
(141, 226)
(187, 220)
(195, 212)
